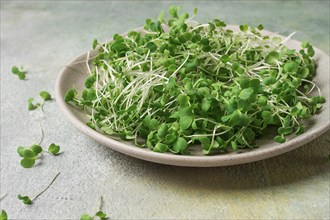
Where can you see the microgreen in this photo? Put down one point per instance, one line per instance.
(3, 215)
(30, 155)
(45, 95)
(29, 201)
(198, 84)
(19, 72)
(31, 105)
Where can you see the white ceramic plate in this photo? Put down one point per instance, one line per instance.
(74, 73)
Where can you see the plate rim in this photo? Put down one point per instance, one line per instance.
(186, 160)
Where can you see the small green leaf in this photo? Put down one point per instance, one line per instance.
(54, 149)
(310, 51)
(86, 217)
(70, 95)
(244, 27)
(15, 70)
(25, 199)
(279, 139)
(260, 27)
(180, 144)
(29, 154)
(32, 106)
(101, 214)
(185, 122)
(45, 95)
(20, 151)
(225, 58)
(272, 57)
(95, 43)
(161, 148)
(89, 82)
(246, 93)
(206, 104)
(3, 215)
(28, 162)
(151, 46)
(36, 149)
(304, 44)
(195, 11)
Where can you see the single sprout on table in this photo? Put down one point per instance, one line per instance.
(19, 72)
(183, 83)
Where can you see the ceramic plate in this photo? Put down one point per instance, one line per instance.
(74, 73)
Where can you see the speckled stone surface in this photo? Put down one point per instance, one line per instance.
(45, 35)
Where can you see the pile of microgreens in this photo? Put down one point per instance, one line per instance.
(198, 83)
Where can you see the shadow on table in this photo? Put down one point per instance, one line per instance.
(305, 162)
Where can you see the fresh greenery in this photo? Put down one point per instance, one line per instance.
(45, 95)
(25, 199)
(30, 154)
(3, 215)
(99, 214)
(183, 83)
(19, 72)
(31, 105)
(28, 201)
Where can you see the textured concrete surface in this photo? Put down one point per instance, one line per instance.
(45, 35)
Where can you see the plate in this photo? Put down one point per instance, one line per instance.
(74, 73)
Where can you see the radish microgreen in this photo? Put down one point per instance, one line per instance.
(183, 83)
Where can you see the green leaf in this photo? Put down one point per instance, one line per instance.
(272, 57)
(86, 217)
(185, 122)
(290, 66)
(45, 95)
(246, 93)
(244, 27)
(161, 148)
(20, 151)
(28, 162)
(180, 144)
(70, 95)
(225, 58)
(54, 149)
(95, 43)
(170, 138)
(183, 100)
(260, 27)
(36, 149)
(304, 44)
(279, 139)
(3, 215)
(25, 199)
(206, 104)
(151, 46)
(310, 51)
(195, 11)
(32, 106)
(101, 214)
(162, 130)
(173, 11)
(89, 81)
(15, 70)
(29, 154)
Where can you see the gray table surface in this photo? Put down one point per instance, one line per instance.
(43, 36)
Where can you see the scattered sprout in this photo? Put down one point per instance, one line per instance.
(32, 106)
(54, 149)
(19, 72)
(45, 95)
(28, 201)
(29, 155)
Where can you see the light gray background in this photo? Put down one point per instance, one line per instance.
(45, 35)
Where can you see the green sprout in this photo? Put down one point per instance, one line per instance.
(28, 201)
(29, 155)
(32, 106)
(191, 83)
(45, 95)
(19, 72)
